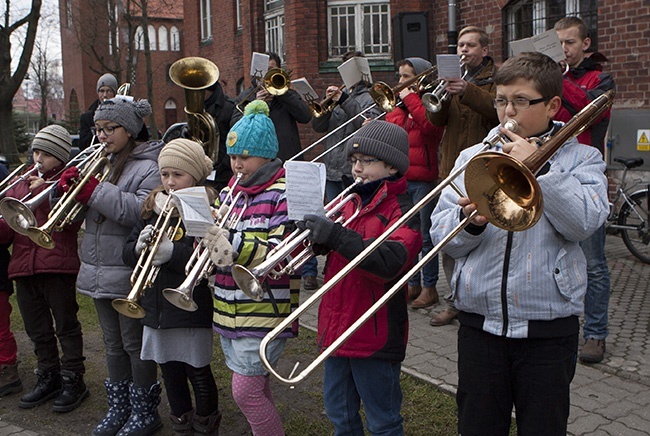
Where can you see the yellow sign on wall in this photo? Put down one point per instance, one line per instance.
(643, 140)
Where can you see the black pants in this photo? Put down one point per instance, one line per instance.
(496, 372)
(48, 305)
(176, 375)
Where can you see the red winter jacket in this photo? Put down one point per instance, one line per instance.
(27, 258)
(385, 335)
(424, 139)
(581, 86)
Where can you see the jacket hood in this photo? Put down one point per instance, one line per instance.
(147, 150)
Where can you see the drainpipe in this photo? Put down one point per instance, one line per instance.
(452, 34)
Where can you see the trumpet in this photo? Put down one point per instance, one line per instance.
(145, 272)
(432, 101)
(21, 219)
(326, 105)
(250, 281)
(199, 266)
(276, 82)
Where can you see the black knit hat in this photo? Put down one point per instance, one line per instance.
(383, 140)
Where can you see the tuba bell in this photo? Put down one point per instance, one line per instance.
(195, 75)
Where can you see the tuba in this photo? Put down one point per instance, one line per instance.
(195, 75)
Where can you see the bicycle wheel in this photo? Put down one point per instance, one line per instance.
(637, 240)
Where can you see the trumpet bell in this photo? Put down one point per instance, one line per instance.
(128, 308)
(248, 282)
(180, 299)
(504, 190)
(40, 237)
(384, 96)
(431, 102)
(276, 81)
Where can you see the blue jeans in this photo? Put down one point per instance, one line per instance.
(597, 297)
(348, 382)
(417, 191)
(333, 188)
(310, 268)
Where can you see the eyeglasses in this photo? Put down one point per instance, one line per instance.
(108, 130)
(518, 103)
(363, 161)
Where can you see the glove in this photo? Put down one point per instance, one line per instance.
(164, 252)
(324, 231)
(87, 190)
(221, 252)
(143, 239)
(66, 179)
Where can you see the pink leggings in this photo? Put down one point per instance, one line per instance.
(253, 396)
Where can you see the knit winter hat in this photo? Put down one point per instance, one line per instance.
(124, 111)
(107, 80)
(419, 65)
(383, 140)
(254, 134)
(54, 140)
(187, 155)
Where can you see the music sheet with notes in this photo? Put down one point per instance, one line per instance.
(305, 188)
(194, 208)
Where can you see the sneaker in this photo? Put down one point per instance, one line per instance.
(427, 298)
(310, 283)
(443, 318)
(593, 351)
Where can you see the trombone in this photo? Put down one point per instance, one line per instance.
(432, 101)
(250, 281)
(199, 266)
(501, 176)
(145, 272)
(13, 179)
(276, 82)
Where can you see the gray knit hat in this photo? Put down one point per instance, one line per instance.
(383, 140)
(107, 80)
(187, 155)
(54, 140)
(124, 111)
(419, 65)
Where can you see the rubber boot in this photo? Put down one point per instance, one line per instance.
(207, 425)
(182, 425)
(119, 408)
(144, 419)
(9, 380)
(74, 392)
(48, 385)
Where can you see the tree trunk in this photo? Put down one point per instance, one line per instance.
(7, 140)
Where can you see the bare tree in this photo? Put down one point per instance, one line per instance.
(43, 69)
(10, 82)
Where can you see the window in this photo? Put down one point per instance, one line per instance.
(175, 36)
(152, 37)
(238, 14)
(357, 26)
(525, 18)
(274, 26)
(163, 41)
(206, 20)
(139, 38)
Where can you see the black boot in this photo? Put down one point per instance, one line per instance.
(48, 385)
(182, 425)
(207, 425)
(74, 392)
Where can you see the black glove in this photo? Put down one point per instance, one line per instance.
(324, 231)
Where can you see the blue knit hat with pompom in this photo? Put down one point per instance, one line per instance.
(254, 134)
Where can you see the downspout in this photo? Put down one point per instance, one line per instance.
(452, 34)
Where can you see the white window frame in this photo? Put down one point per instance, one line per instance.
(238, 14)
(139, 38)
(152, 37)
(175, 39)
(360, 19)
(274, 27)
(163, 39)
(205, 18)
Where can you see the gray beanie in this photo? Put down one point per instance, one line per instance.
(383, 140)
(419, 65)
(107, 80)
(124, 111)
(54, 140)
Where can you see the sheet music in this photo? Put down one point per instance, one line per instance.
(305, 188)
(259, 64)
(448, 66)
(547, 43)
(354, 70)
(304, 89)
(194, 208)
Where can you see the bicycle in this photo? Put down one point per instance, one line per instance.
(631, 218)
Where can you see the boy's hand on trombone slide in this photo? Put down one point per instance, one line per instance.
(468, 208)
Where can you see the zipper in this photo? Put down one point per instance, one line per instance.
(504, 284)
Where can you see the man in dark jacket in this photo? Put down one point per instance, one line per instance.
(106, 88)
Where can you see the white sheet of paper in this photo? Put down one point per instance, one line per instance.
(448, 66)
(194, 208)
(547, 43)
(521, 45)
(259, 64)
(304, 89)
(305, 188)
(355, 70)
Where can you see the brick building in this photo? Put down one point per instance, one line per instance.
(311, 35)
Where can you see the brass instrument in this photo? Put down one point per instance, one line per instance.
(195, 75)
(199, 266)
(145, 272)
(250, 281)
(325, 106)
(276, 81)
(124, 89)
(13, 179)
(386, 97)
(432, 101)
(21, 219)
